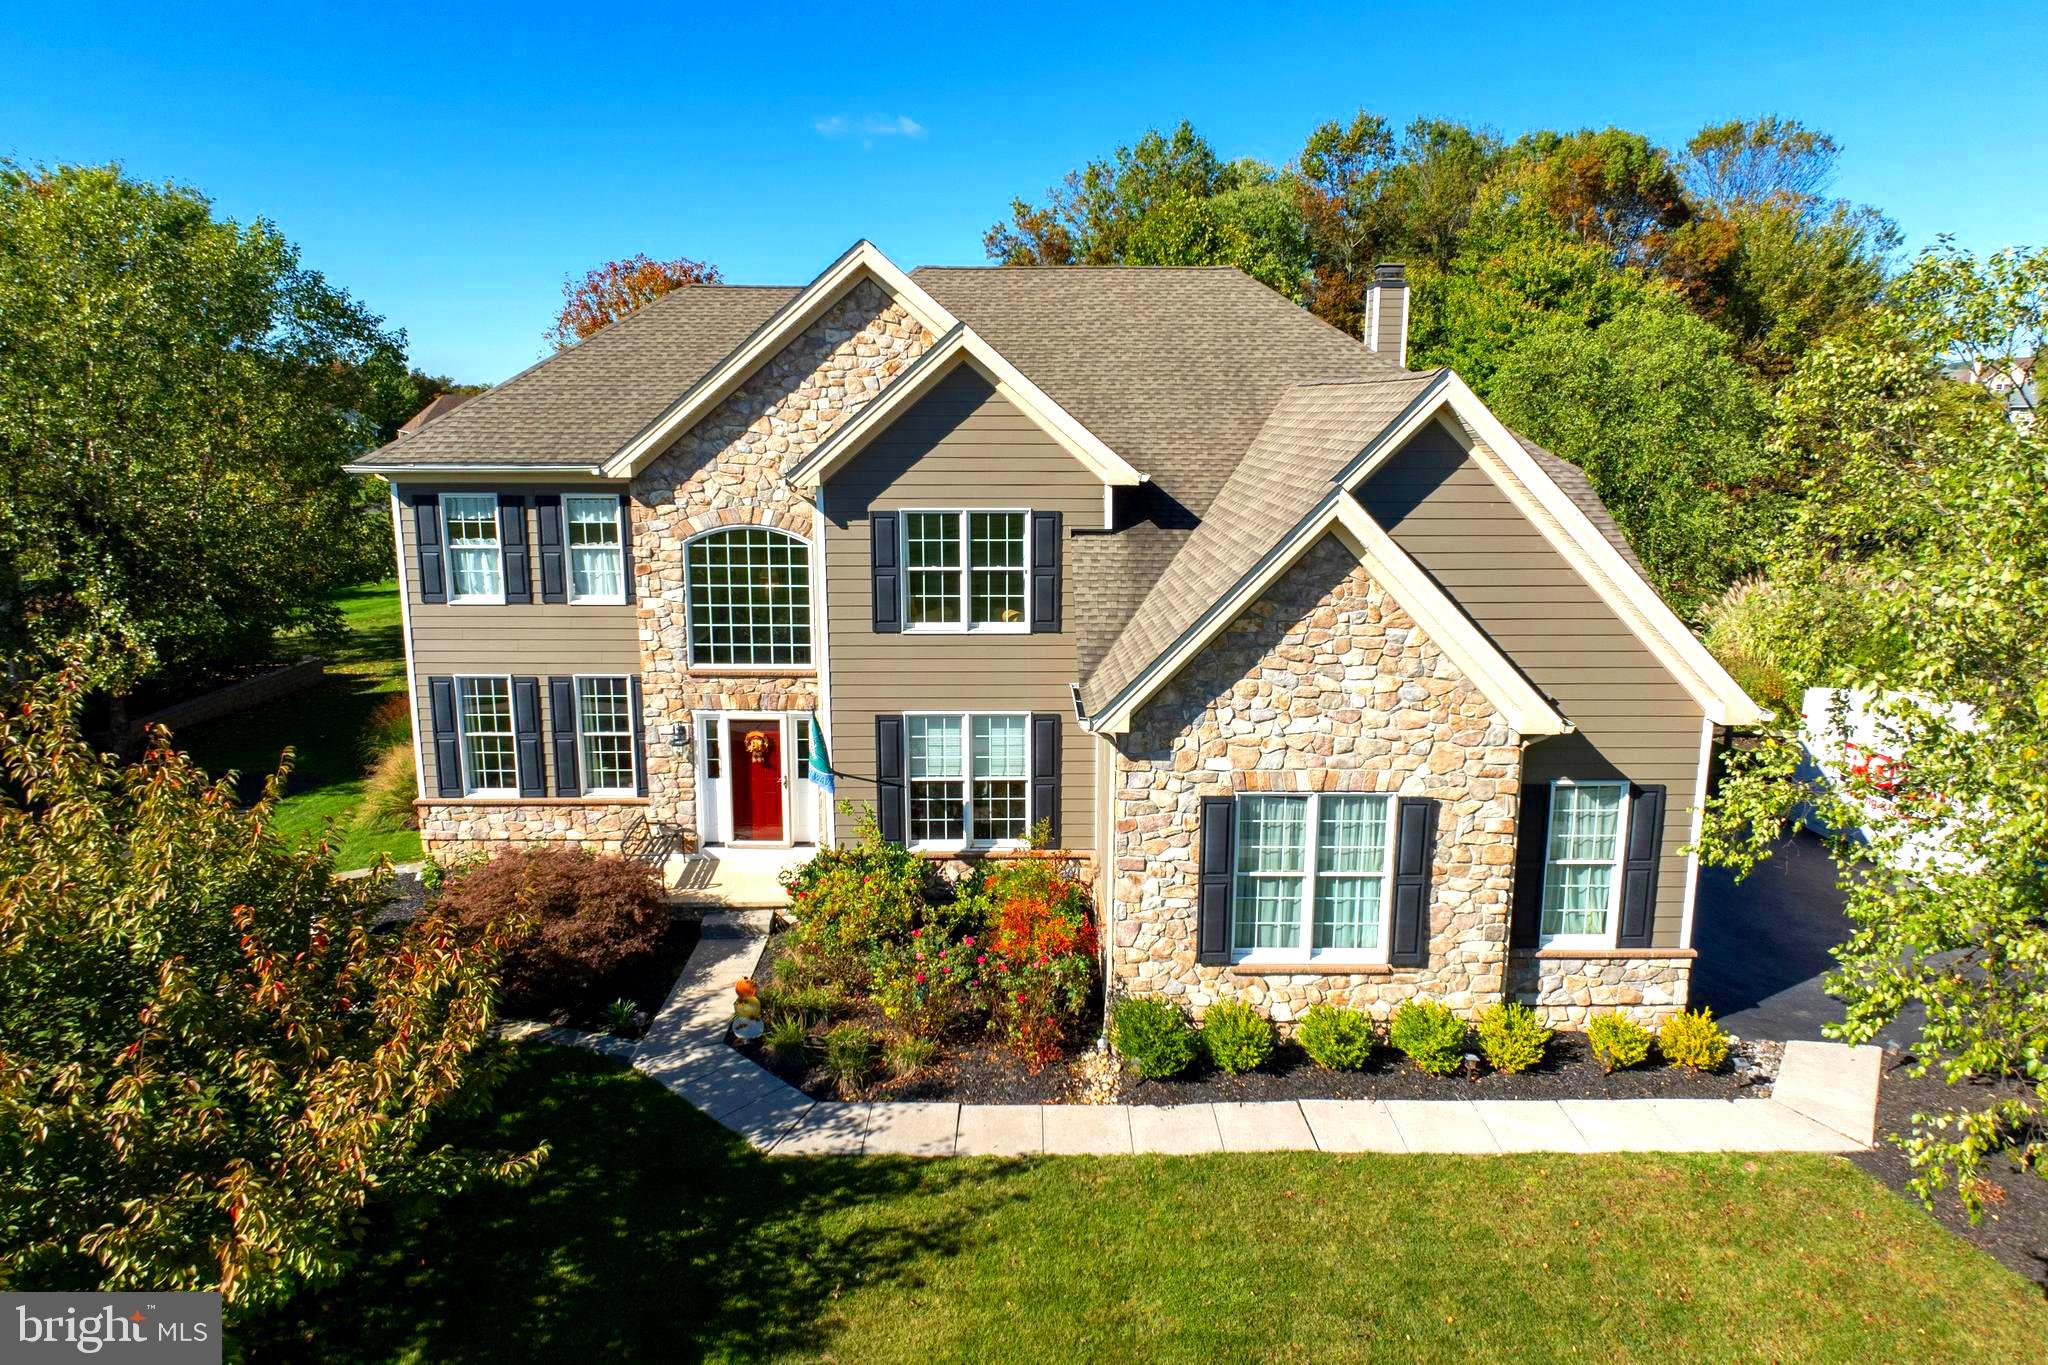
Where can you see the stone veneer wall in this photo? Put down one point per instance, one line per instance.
(1568, 991)
(725, 471)
(450, 830)
(1324, 684)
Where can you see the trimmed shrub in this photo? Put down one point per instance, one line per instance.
(1618, 1042)
(1154, 1036)
(855, 898)
(1237, 1037)
(1511, 1037)
(1431, 1034)
(1693, 1040)
(922, 989)
(850, 1057)
(1337, 1038)
(576, 922)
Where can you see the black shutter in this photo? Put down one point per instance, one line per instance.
(426, 539)
(887, 573)
(1532, 837)
(1414, 849)
(533, 772)
(1218, 849)
(554, 580)
(1045, 773)
(512, 537)
(626, 543)
(562, 730)
(1045, 571)
(889, 777)
(447, 740)
(639, 740)
(1639, 868)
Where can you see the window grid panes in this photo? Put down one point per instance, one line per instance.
(596, 565)
(604, 725)
(711, 749)
(1001, 794)
(1314, 870)
(750, 599)
(937, 808)
(932, 563)
(475, 568)
(996, 568)
(489, 751)
(1579, 869)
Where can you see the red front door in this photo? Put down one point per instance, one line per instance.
(756, 748)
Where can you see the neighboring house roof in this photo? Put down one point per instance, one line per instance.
(440, 406)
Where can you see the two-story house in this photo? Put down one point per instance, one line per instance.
(1340, 689)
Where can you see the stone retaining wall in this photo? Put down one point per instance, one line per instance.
(1325, 684)
(1566, 992)
(456, 830)
(226, 701)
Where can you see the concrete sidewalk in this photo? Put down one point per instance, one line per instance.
(1825, 1100)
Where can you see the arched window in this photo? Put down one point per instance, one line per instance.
(750, 599)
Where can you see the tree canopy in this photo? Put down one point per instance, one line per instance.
(616, 288)
(179, 396)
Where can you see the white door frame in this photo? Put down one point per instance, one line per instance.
(720, 788)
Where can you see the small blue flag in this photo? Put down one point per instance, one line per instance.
(821, 762)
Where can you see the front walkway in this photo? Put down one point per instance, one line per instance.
(1825, 1100)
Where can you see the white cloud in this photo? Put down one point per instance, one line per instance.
(868, 127)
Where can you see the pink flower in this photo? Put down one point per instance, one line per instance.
(917, 933)
(920, 978)
(967, 942)
(945, 966)
(981, 960)
(1020, 997)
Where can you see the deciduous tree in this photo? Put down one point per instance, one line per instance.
(616, 288)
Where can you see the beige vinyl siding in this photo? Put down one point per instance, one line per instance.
(1634, 719)
(537, 639)
(962, 445)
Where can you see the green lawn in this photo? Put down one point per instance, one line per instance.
(653, 1235)
(327, 726)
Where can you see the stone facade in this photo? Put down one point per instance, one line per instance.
(451, 830)
(1568, 991)
(1324, 684)
(727, 470)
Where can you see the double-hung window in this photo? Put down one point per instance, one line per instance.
(1311, 878)
(597, 561)
(1582, 864)
(966, 570)
(969, 780)
(604, 735)
(490, 761)
(750, 599)
(476, 562)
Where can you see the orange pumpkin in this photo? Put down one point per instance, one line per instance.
(745, 988)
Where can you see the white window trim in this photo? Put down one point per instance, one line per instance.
(1614, 882)
(813, 581)
(448, 552)
(1305, 950)
(966, 780)
(469, 787)
(632, 787)
(966, 571)
(569, 552)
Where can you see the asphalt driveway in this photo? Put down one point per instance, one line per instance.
(1764, 946)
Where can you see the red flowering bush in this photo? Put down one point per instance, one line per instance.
(1039, 959)
(924, 985)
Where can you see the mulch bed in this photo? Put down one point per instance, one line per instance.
(2014, 1228)
(647, 983)
(977, 1070)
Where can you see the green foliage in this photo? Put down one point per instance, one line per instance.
(1336, 1037)
(1618, 1042)
(819, 999)
(573, 923)
(1236, 1037)
(179, 397)
(1693, 1040)
(1153, 1036)
(1666, 424)
(1431, 1034)
(213, 1065)
(622, 1017)
(389, 791)
(909, 1053)
(850, 1056)
(786, 1037)
(852, 899)
(1511, 1038)
(1922, 490)
(924, 985)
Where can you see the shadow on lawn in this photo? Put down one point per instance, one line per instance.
(651, 1233)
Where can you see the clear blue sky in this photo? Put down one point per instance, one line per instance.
(450, 167)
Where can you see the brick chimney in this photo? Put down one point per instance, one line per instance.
(1386, 313)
